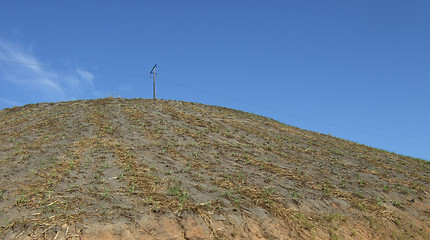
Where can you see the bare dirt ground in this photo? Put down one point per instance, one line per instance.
(143, 169)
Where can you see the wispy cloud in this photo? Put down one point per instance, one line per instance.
(9, 102)
(19, 66)
(85, 75)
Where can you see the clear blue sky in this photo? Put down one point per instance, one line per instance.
(359, 70)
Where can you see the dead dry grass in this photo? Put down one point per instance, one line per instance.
(70, 168)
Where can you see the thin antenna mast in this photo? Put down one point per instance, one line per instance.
(154, 75)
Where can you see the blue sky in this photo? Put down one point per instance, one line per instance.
(359, 70)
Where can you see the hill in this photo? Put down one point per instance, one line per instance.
(144, 169)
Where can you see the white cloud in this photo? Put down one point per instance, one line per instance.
(20, 67)
(9, 102)
(85, 75)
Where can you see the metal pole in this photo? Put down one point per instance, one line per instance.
(154, 84)
(153, 74)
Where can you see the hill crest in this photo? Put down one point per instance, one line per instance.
(168, 169)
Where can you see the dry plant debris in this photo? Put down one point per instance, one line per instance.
(144, 169)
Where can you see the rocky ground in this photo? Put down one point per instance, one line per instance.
(143, 169)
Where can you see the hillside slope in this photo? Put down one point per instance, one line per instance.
(143, 169)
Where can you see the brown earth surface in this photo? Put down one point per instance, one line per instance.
(143, 169)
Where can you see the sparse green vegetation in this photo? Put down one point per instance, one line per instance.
(295, 197)
(180, 192)
(2, 192)
(333, 216)
(362, 206)
(133, 188)
(268, 191)
(379, 200)
(333, 235)
(21, 200)
(226, 194)
(106, 193)
(398, 204)
(361, 182)
(360, 195)
(386, 189)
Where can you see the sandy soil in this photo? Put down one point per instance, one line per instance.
(143, 169)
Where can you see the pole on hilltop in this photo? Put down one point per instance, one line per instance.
(153, 76)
